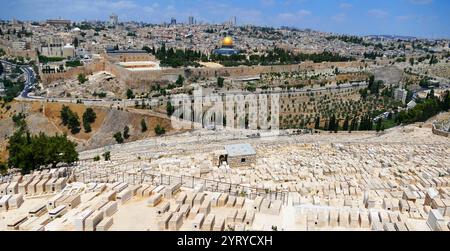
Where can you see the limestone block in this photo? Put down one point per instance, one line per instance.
(223, 199)
(354, 219)
(13, 188)
(162, 208)
(240, 216)
(400, 226)
(58, 211)
(434, 217)
(344, 217)
(92, 221)
(16, 201)
(334, 218)
(38, 210)
(193, 212)
(154, 200)
(199, 198)
(181, 198)
(208, 224)
(198, 222)
(389, 227)
(79, 220)
(249, 217)
(15, 222)
(163, 221)
(110, 208)
(364, 219)
(105, 224)
(124, 196)
(240, 201)
(231, 216)
(171, 190)
(205, 207)
(184, 209)
(176, 221)
(231, 201)
(219, 225)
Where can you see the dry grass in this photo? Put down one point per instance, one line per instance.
(53, 110)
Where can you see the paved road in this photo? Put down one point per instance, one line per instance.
(30, 80)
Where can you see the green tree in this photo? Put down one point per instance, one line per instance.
(345, 127)
(180, 81)
(170, 109)
(446, 101)
(19, 120)
(74, 123)
(379, 124)
(317, 123)
(118, 137)
(82, 78)
(220, 82)
(159, 130)
(89, 117)
(130, 94)
(143, 126)
(332, 123)
(28, 152)
(65, 113)
(107, 156)
(75, 42)
(3, 168)
(126, 132)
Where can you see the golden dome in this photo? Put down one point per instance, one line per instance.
(227, 42)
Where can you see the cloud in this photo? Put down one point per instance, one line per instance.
(378, 13)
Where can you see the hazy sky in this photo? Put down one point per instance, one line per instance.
(424, 18)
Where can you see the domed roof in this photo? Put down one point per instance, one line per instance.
(227, 42)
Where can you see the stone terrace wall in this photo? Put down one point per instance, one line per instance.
(88, 69)
(145, 79)
(7, 47)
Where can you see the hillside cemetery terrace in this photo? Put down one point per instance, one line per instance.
(361, 182)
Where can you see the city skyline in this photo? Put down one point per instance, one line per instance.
(420, 18)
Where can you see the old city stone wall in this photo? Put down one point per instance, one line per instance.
(145, 79)
(7, 47)
(91, 68)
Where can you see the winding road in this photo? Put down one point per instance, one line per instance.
(30, 80)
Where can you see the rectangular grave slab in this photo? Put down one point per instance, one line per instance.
(163, 221)
(176, 221)
(92, 221)
(105, 224)
(198, 222)
(154, 200)
(79, 220)
(162, 208)
(208, 224)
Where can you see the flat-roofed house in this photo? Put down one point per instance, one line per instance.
(240, 155)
